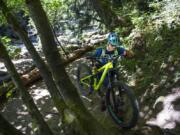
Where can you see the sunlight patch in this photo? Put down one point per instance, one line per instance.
(39, 93)
(168, 117)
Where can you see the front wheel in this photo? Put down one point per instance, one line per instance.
(122, 105)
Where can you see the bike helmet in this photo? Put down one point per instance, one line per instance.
(113, 39)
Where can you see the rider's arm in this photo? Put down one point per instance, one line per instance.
(96, 53)
(129, 54)
(123, 52)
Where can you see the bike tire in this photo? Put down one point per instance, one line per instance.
(84, 70)
(116, 111)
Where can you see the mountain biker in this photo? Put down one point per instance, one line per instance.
(113, 48)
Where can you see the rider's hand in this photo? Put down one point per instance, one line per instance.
(129, 54)
(88, 55)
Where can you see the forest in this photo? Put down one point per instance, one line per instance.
(53, 83)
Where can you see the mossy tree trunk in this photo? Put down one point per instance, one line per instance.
(44, 71)
(7, 129)
(86, 122)
(27, 99)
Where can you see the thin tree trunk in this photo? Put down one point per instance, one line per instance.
(27, 99)
(44, 71)
(7, 129)
(86, 121)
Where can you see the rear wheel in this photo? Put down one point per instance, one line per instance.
(86, 86)
(122, 105)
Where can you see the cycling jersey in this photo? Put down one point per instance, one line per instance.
(103, 52)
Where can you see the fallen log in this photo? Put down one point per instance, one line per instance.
(78, 54)
(31, 77)
(33, 74)
(28, 79)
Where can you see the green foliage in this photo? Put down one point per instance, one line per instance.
(52, 8)
(138, 21)
(13, 50)
(156, 6)
(8, 94)
(16, 5)
(156, 62)
(2, 19)
(10, 89)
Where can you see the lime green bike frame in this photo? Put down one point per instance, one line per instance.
(97, 84)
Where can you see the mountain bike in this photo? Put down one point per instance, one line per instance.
(120, 99)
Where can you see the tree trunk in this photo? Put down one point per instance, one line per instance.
(44, 71)
(116, 3)
(108, 17)
(142, 5)
(7, 129)
(86, 122)
(27, 99)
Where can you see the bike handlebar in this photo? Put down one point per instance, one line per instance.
(104, 57)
